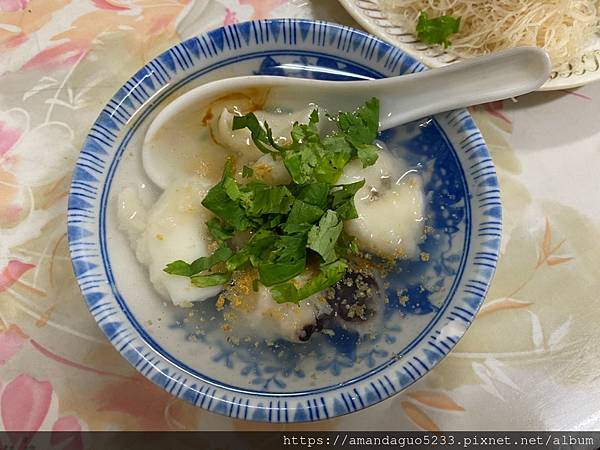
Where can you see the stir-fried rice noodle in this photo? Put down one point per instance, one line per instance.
(563, 27)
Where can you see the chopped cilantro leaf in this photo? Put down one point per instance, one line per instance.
(257, 132)
(297, 228)
(361, 126)
(218, 200)
(360, 130)
(328, 275)
(436, 30)
(302, 156)
(247, 172)
(211, 279)
(287, 260)
(322, 237)
(237, 261)
(336, 153)
(303, 212)
(206, 262)
(200, 265)
(314, 194)
(260, 246)
(178, 267)
(275, 273)
(231, 188)
(301, 163)
(289, 248)
(270, 139)
(275, 220)
(259, 199)
(367, 153)
(219, 231)
(346, 245)
(342, 200)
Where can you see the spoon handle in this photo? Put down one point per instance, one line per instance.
(479, 80)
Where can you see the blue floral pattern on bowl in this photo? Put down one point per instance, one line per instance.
(431, 302)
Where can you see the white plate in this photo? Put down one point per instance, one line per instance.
(371, 16)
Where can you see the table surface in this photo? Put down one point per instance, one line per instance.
(530, 361)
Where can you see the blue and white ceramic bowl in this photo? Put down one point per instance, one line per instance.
(431, 303)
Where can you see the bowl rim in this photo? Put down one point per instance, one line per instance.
(308, 405)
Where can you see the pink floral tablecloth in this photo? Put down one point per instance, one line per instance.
(530, 361)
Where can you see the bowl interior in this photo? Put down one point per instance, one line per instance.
(416, 291)
(181, 348)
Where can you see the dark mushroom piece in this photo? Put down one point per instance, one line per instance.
(355, 298)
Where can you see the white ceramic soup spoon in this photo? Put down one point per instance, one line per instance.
(402, 99)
